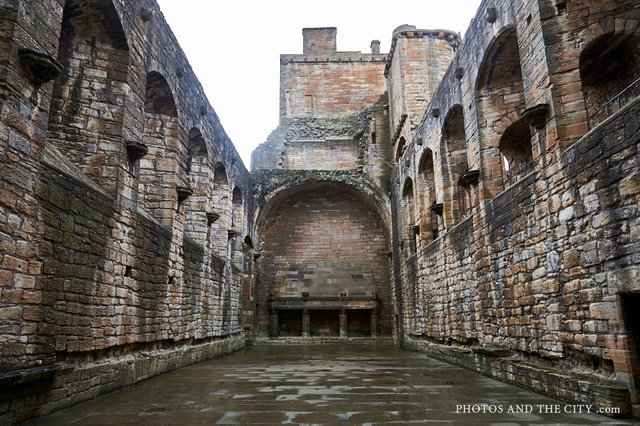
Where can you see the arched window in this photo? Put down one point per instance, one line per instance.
(158, 96)
(402, 145)
(610, 74)
(515, 152)
(237, 218)
(196, 150)
(222, 205)
(409, 229)
(220, 174)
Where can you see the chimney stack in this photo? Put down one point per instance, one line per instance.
(318, 41)
(375, 47)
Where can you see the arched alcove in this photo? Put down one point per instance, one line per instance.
(407, 226)
(160, 167)
(220, 174)
(221, 200)
(500, 100)
(429, 226)
(196, 150)
(237, 218)
(86, 113)
(456, 197)
(610, 74)
(402, 145)
(200, 175)
(515, 152)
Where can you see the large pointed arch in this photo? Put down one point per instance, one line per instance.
(323, 240)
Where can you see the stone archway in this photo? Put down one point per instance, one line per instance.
(324, 269)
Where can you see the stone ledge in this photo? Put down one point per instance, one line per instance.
(34, 374)
(63, 385)
(565, 386)
(324, 340)
(492, 351)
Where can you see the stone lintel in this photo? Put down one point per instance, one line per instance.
(299, 303)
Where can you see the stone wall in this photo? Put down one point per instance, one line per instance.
(538, 273)
(319, 40)
(335, 143)
(543, 275)
(42, 390)
(499, 174)
(330, 85)
(124, 206)
(321, 155)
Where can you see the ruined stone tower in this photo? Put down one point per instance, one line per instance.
(475, 199)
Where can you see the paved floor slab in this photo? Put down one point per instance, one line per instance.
(323, 385)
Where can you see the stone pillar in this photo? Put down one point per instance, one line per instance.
(306, 323)
(343, 322)
(273, 323)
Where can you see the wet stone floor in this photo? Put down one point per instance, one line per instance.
(322, 385)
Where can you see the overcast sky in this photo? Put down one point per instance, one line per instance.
(234, 46)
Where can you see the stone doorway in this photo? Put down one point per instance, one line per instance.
(631, 315)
